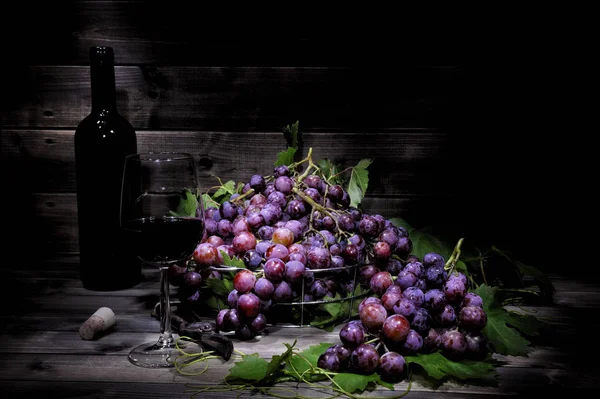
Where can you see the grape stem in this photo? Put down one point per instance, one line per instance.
(453, 259)
(311, 165)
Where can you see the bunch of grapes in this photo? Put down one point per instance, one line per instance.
(424, 309)
(301, 242)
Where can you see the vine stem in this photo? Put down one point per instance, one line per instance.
(453, 259)
(311, 164)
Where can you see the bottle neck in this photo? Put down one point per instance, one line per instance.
(104, 97)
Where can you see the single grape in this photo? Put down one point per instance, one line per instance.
(447, 317)
(244, 281)
(283, 291)
(472, 318)
(476, 345)
(228, 210)
(294, 271)
(284, 184)
(389, 299)
(421, 321)
(243, 242)
(435, 300)
(380, 282)
(278, 251)
(232, 298)
(175, 274)
(405, 307)
(257, 183)
(413, 343)
(392, 367)
(372, 316)
(395, 328)
(318, 258)
(352, 335)
(264, 288)
(206, 254)
(472, 299)
(433, 259)
(329, 360)
(252, 259)
(274, 269)
(258, 324)
(192, 279)
(364, 359)
(415, 295)
(416, 268)
(248, 305)
(406, 279)
(455, 290)
(454, 344)
(435, 276)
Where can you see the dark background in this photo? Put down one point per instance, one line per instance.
(504, 167)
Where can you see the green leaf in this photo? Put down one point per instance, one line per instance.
(224, 192)
(208, 201)
(350, 382)
(274, 369)
(305, 361)
(219, 286)
(250, 368)
(506, 340)
(359, 181)
(188, 202)
(285, 157)
(234, 262)
(438, 367)
(290, 132)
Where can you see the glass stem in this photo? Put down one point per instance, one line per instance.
(166, 336)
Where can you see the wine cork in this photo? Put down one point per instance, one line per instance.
(100, 321)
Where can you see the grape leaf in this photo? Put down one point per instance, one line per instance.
(250, 368)
(299, 366)
(229, 261)
(187, 205)
(286, 157)
(359, 180)
(438, 366)
(224, 192)
(219, 286)
(350, 382)
(506, 340)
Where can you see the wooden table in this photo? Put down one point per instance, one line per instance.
(42, 353)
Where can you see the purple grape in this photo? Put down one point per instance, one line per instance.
(413, 343)
(476, 345)
(352, 335)
(390, 236)
(435, 300)
(259, 324)
(404, 246)
(433, 259)
(415, 295)
(406, 279)
(393, 266)
(372, 316)
(318, 289)
(244, 281)
(281, 170)
(252, 259)
(248, 305)
(318, 258)
(294, 271)
(453, 344)
(472, 318)
(283, 291)
(392, 367)
(380, 282)
(257, 183)
(395, 328)
(232, 298)
(405, 307)
(435, 276)
(274, 269)
(296, 208)
(455, 290)
(447, 317)
(277, 198)
(264, 288)
(421, 321)
(416, 268)
(228, 210)
(472, 299)
(364, 359)
(284, 184)
(329, 360)
(389, 299)
(368, 226)
(368, 300)
(346, 222)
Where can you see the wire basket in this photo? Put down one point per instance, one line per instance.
(299, 312)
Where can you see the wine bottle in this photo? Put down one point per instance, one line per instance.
(102, 141)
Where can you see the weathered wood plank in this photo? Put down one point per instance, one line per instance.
(119, 341)
(405, 161)
(241, 98)
(94, 368)
(144, 390)
(54, 228)
(147, 33)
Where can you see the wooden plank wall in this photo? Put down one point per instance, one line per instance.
(224, 91)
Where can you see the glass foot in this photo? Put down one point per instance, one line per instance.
(154, 355)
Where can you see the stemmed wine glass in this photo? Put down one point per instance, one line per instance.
(162, 217)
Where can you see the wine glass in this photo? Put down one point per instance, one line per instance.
(163, 220)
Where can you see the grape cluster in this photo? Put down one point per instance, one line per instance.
(424, 309)
(300, 241)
